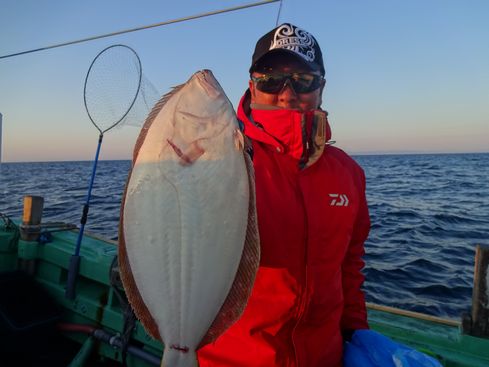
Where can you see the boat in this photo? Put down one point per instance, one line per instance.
(41, 326)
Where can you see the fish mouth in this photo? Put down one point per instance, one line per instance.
(209, 84)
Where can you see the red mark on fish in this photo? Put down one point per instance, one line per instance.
(179, 348)
(190, 155)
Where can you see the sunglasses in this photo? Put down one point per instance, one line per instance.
(300, 82)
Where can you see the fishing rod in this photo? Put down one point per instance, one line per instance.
(178, 20)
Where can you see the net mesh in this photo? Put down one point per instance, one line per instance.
(147, 97)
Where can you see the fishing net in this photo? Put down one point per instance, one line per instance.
(116, 92)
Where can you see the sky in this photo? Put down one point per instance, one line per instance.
(402, 76)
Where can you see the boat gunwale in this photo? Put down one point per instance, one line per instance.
(413, 314)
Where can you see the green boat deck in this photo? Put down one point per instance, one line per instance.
(96, 304)
(440, 338)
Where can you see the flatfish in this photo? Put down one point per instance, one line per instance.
(188, 236)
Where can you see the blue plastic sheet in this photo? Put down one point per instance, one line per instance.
(371, 349)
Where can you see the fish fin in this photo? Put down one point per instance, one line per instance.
(238, 139)
(150, 118)
(137, 303)
(235, 302)
(168, 95)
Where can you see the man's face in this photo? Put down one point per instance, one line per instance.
(286, 98)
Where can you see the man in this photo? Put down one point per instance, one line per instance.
(312, 215)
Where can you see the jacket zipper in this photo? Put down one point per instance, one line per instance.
(303, 296)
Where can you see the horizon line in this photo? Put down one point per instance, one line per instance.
(373, 153)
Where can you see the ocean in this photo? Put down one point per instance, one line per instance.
(428, 213)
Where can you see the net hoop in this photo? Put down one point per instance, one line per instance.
(135, 95)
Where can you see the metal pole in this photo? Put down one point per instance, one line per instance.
(74, 264)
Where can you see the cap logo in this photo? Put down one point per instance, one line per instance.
(294, 39)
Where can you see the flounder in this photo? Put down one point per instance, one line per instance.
(188, 236)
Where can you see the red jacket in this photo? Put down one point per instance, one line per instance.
(313, 223)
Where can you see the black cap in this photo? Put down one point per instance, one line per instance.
(293, 40)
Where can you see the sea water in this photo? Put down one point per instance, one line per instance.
(428, 213)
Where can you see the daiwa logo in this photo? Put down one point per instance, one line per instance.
(338, 200)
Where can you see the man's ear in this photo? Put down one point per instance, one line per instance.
(251, 85)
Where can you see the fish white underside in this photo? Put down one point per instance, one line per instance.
(184, 232)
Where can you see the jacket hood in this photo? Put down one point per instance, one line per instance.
(301, 135)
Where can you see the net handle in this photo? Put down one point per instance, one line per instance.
(135, 95)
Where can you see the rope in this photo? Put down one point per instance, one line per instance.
(9, 225)
(7, 222)
(184, 19)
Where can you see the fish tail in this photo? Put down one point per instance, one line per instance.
(178, 358)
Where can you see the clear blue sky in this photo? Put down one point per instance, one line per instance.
(402, 76)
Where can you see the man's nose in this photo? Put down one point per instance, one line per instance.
(287, 95)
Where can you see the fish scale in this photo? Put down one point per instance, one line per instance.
(189, 245)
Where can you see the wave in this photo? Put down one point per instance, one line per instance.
(427, 211)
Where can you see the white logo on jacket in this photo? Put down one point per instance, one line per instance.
(339, 200)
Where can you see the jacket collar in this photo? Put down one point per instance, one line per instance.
(301, 135)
